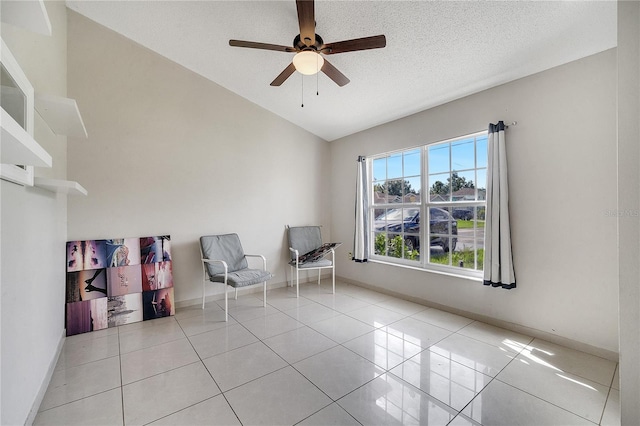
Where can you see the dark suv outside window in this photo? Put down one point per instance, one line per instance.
(394, 222)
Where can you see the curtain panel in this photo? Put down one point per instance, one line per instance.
(361, 235)
(498, 258)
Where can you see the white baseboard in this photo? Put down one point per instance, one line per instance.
(45, 382)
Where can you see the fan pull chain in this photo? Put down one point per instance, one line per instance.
(302, 90)
(317, 72)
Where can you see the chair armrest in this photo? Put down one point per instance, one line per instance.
(292, 250)
(264, 259)
(224, 264)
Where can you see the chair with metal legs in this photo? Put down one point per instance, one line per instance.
(302, 240)
(224, 261)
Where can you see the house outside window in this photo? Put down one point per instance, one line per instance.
(435, 194)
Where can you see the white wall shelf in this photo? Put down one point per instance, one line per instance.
(61, 115)
(31, 15)
(68, 187)
(18, 147)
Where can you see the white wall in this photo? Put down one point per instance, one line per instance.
(562, 171)
(33, 238)
(629, 205)
(170, 152)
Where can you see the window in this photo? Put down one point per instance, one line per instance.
(451, 214)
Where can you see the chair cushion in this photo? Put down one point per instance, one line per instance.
(243, 278)
(304, 239)
(223, 247)
(322, 263)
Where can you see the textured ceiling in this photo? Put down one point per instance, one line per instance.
(436, 51)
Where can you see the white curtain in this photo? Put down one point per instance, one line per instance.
(498, 259)
(361, 237)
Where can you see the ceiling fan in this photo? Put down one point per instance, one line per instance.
(310, 48)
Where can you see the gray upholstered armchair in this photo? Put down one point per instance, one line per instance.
(224, 261)
(302, 240)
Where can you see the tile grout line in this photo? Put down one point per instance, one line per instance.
(332, 402)
(264, 375)
(516, 354)
(604, 408)
(182, 409)
(121, 381)
(386, 371)
(79, 399)
(522, 390)
(210, 375)
(606, 401)
(293, 367)
(543, 399)
(493, 378)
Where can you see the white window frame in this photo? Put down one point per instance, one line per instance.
(424, 205)
(11, 172)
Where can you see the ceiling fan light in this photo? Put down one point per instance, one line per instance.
(308, 62)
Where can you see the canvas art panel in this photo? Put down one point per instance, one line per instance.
(155, 249)
(86, 285)
(164, 275)
(149, 273)
(124, 309)
(75, 260)
(123, 251)
(85, 316)
(123, 280)
(95, 254)
(117, 281)
(158, 303)
(166, 248)
(150, 250)
(82, 255)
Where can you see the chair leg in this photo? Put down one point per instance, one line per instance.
(333, 278)
(236, 293)
(264, 299)
(297, 283)
(202, 294)
(333, 270)
(226, 305)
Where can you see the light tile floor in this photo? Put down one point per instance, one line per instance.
(356, 357)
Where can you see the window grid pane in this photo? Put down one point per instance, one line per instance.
(455, 179)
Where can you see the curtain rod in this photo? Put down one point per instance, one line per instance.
(507, 125)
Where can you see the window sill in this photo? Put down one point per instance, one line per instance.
(433, 271)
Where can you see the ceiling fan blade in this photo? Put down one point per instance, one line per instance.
(264, 46)
(365, 43)
(333, 73)
(307, 21)
(284, 75)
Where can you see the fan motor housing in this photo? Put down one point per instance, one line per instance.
(300, 45)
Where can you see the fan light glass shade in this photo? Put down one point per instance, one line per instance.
(308, 62)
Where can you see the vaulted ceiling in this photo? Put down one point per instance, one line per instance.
(437, 51)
